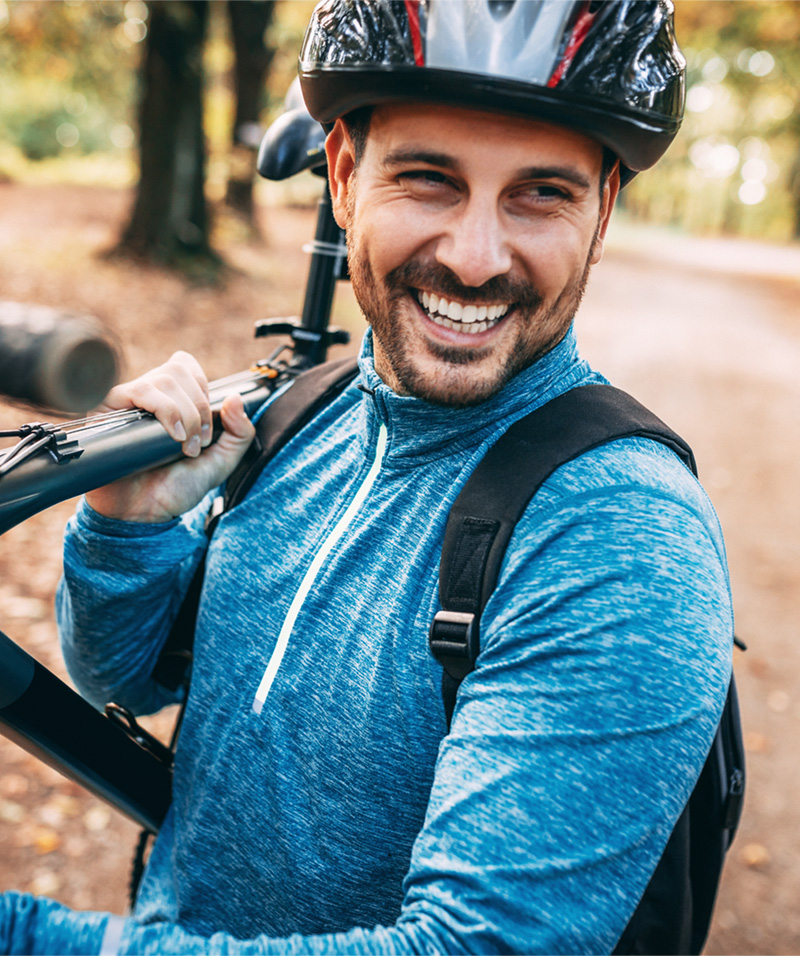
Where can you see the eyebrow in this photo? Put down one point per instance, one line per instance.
(402, 157)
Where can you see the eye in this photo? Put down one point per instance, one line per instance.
(543, 192)
(538, 199)
(424, 176)
(428, 184)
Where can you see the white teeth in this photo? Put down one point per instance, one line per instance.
(470, 319)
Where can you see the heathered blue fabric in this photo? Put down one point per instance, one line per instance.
(341, 819)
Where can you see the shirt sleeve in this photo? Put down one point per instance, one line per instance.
(578, 739)
(122, 586)
(575, 744)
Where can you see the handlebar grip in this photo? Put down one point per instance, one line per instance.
(54, 359)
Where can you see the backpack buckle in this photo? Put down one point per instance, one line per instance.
(454, 642)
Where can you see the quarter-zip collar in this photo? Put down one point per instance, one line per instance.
(417, 428)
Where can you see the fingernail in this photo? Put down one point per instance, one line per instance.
(193, 446)
(179, 432)
(205, 433)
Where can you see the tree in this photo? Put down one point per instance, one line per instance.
(169, 221)
(252, 59)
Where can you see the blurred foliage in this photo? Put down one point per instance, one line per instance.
(69, 74)
(735, 166)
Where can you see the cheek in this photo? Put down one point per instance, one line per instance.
(553, 256)
(389, 234)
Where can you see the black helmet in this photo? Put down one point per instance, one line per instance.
(611, 69)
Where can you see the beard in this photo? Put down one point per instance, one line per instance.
(449, 375)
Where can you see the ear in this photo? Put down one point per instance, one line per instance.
(341, 166)
(610, 192)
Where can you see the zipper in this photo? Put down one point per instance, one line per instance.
(310, 576)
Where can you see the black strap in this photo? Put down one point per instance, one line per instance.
(288, 413)
(281, 421)
(482, 520)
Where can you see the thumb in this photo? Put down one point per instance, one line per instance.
(219, 459)
(235, 421)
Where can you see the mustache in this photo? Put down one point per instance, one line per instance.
(420, 274)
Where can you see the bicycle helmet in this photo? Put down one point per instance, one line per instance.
(611, 69)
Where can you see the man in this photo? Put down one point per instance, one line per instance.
(319, 805)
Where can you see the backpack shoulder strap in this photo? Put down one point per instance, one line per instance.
(482, 521)
(290, 411)
(674, 913)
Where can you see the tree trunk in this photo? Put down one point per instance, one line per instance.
(249, 20)
(794, 186)
(169, 220)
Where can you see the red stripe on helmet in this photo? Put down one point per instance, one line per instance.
(412, 9)
(579, 32)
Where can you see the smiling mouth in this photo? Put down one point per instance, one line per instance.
(468, 319)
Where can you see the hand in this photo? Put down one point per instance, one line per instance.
(177, 394)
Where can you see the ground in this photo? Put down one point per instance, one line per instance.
(706, 332)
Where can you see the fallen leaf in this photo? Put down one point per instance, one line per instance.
(754, 855)
(778, 701)
(757, 743)
(11, 812)
(97, 819)
(46, 840)
(45, 883)
(13, 785)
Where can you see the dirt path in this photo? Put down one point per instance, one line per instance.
(706, 333)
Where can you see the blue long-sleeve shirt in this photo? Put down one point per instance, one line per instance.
(318, 805)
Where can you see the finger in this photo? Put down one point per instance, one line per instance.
(131, 394)
(189, 371)
(118, 398)
(177, 394)
(234, 419)
(160, 395)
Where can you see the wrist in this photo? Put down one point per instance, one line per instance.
(119, 525)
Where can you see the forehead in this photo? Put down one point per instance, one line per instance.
(472, 134)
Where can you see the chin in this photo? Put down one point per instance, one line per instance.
(452, 386)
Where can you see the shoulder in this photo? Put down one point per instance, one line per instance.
(633, 480)
(630, 506)
(621, 543)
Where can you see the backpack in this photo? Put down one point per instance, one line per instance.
(675, 911)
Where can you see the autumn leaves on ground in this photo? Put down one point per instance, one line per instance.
(705, 332)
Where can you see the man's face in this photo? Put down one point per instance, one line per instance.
(470, 238)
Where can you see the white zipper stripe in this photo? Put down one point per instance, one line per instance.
(311, 573)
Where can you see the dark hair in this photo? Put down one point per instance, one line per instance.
(357, 123)
(606, 168)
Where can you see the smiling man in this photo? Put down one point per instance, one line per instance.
(468, 261)
(322, 801)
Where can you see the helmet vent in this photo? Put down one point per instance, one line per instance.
(500, 8)
(497, 37)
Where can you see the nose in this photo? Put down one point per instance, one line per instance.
(475, 245)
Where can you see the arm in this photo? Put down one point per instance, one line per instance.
(574, 745)
(177, 394)
(131, 549)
